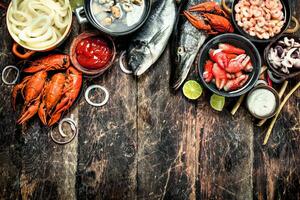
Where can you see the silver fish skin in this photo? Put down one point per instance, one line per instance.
(186, 44)
(150, 41)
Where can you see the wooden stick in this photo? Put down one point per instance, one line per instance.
(237, 104)
(281, 92)
(3, 6)
(269, 131)
(241, 99)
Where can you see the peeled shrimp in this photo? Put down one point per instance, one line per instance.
(277, 14)
(254, 2)
(261, 18)
(246, 12)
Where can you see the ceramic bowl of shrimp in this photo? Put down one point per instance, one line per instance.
(262, 21)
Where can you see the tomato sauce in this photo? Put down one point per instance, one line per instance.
(93, 53)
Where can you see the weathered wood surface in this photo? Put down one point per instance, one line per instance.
(148, 143)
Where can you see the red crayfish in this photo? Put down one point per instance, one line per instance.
(214, 21)
(48, 98)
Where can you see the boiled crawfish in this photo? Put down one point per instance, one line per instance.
(70, 93)
(31, 88)
(210, 7)
(52, 93)
(45, 97)
(214, 19)
(49, 63)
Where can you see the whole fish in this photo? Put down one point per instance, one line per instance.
(187, 40)
(150, 41)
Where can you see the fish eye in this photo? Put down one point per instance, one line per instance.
(180, 50)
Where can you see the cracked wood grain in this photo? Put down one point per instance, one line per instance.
(225, 155)
(107, 153)
(48, 170)
(276, 165)
(165, 125)
(148, 143)
(108, 141)
(9, 140)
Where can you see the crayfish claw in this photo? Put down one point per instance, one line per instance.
(29, 112)
(196, 22)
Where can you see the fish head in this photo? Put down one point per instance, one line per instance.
(140, 57)
(183, 61)
(183, 57)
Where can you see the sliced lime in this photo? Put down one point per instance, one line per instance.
(76, 3)
(192, 89)
(217, 102)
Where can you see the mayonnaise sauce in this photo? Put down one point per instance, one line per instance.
(261, 102)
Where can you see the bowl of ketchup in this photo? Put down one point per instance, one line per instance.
(92, 53)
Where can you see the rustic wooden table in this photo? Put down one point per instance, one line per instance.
(148, 143)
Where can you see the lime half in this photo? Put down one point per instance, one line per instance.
(217, 102)
(76, 3)
(192, 89)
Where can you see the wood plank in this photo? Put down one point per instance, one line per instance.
(166, 137)
(108, 141)
(226, 153)
(9, 139)
(48, 169)
(276, 165)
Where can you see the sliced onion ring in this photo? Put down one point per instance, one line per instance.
(86, 95)
(62, 134)
(16, 78)
(122, 66)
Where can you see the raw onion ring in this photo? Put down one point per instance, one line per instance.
(16, 78)
(123, 68)
(62, 134)
(86, 95)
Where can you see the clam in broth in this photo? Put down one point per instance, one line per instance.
(118, 15)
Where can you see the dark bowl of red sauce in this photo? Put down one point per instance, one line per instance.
(92, 53)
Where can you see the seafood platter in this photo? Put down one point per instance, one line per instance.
(244, 51)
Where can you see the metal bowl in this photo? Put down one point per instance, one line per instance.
(240, 42)
(89, 17)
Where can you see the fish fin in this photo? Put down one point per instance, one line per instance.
(155, 38)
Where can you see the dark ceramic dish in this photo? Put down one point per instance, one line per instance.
(287, 17)
(84, 14)
(276, 75)
(238, 41)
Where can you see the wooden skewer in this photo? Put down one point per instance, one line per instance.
(280, 94)
(3, 6)
(269, 131)
(237, 104)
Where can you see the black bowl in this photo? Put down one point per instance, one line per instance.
(238, 41)
(287, 17)
(276, 75)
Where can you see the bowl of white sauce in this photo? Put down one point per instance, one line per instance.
(263, 101)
